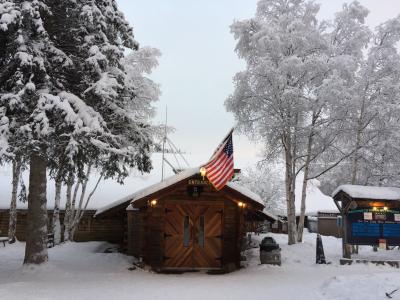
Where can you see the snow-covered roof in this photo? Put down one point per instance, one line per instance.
(173, 180)
(369, 192)
(150, 189)
(315, 200)
(246, 192)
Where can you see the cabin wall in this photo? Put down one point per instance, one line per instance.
(232, 237)
(109, 229)
(328, 226)
(136, 232)
(153, 243)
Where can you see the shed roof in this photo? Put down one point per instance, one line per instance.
(369, 192)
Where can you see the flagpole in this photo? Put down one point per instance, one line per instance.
(163, 144)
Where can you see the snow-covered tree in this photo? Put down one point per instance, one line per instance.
(267, 182)
(73, 105)
(293, 94)
(282, 47)
(373, 122)
(116, 86)
(329, 94)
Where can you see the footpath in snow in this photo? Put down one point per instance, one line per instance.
(84, 271)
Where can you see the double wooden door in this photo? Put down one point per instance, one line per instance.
(193, 235)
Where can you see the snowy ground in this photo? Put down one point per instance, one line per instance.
(83, 271)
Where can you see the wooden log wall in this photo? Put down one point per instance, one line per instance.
(109, 229)
(136, 233)
(230, 246)
(153, 244)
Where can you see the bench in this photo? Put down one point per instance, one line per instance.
(50, 240)
(3, 239)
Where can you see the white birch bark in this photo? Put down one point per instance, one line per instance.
(12, 224)
(68, 207)
(56, 212)
(290, 195)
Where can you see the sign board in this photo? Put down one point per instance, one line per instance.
(368, 227)
(368, 216)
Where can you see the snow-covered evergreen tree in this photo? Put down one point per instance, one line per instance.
(72, 104)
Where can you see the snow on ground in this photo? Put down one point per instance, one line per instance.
(83, 271)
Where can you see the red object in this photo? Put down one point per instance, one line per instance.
(219, 170)
(382, 243)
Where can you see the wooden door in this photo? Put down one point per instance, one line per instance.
(193, 235)
(207, 244)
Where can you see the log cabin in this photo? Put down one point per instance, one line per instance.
(184, 223)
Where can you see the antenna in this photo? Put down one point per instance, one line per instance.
(163, 145)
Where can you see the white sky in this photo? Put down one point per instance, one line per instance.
(198, 62)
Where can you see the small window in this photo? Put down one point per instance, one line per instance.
(186, 233)
(201, 231)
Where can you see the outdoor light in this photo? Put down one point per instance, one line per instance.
(153, 202)
(374, 208)
(203, 172)
(241, 204)
(385, 208)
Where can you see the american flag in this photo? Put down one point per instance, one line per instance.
(219, 170)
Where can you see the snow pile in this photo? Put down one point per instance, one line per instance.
(315, 200)
(369, 192)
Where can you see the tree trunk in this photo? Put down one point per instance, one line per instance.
(77, 212)
(89, 197)
(68, 207)
(358, 143)
(77, 185)
(12, 224)
(290, 196)
(300, 226)
(56, 212)
(36, 238)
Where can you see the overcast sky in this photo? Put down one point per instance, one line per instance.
(198, 62)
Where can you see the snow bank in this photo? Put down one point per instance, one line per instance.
(315, 200)
(84, 271)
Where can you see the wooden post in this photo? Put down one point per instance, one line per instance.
(346, 247)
